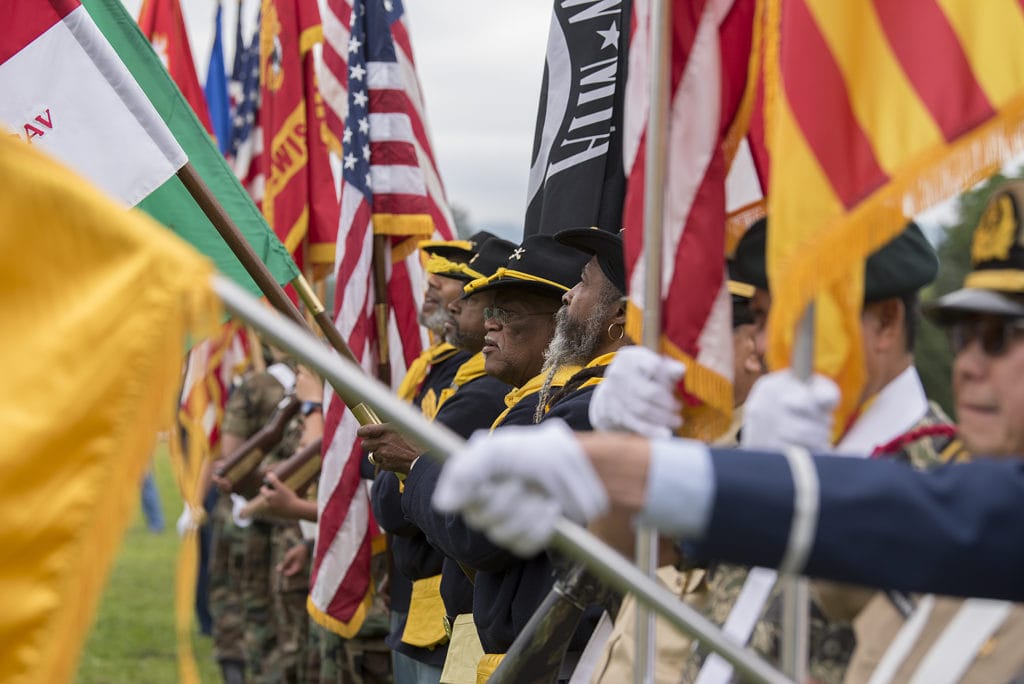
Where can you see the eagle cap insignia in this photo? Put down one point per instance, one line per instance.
(996, 231)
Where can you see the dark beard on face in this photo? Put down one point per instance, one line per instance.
(575, 342)
(434, 321)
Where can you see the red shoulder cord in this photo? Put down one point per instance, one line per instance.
(897, 445)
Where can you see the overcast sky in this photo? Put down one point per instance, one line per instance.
(480, 63)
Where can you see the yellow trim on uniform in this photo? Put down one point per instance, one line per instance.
(420, 366)
(511, 274)
(1001, 280)
(741, 289)
(489, 662)
(439, 265)
(473, 285)
(467, 372)
(424, 626)
(532, 386)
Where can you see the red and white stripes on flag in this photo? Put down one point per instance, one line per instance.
(214, 363)
(390, 187)
(708, 95)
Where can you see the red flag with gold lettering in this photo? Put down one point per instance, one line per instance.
(299, 199)
(163, 25)
(875, 110)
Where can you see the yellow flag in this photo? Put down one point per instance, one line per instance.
(96, 305)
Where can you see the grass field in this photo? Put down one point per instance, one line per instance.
(133, 638)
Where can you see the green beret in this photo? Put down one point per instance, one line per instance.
(902, 267)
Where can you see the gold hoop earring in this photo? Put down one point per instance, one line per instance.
(622, 331)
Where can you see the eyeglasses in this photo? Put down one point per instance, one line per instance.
(504, 316)
(993, 332)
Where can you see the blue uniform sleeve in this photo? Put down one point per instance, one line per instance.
(574, 410)
(474, 407)
(448, 531)
(680, 488)
(953, 530)
(386, 499)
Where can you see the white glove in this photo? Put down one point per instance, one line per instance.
(515, 483)
(238, 502)
(783, 410)
(186, 521)
(638, 394)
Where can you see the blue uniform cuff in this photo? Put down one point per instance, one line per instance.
(680, 488)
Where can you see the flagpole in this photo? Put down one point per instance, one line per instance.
(440, 441)
(796, 593)
(380, 306)
(654, 198)
(259, 272)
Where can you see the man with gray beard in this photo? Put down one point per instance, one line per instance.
(590, 326)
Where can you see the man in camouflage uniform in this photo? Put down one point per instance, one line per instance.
(248, 409)
(275, 606)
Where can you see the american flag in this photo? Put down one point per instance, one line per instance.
(708, 96)
(213, 363)
(246, 143)
(390, 187)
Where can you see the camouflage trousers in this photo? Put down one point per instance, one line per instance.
(276, 621)
(227, 558)
(349, 661)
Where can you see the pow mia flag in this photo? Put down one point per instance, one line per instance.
(577, 177)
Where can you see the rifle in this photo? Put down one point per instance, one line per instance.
(537, 653)
(297, 472)
(239, 468)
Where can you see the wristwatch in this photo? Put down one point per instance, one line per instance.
(308, 407)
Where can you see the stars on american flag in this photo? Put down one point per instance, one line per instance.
(359, 97)
(357, 72)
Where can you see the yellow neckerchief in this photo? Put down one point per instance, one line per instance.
(602, 360)
(419, 368)
(532, 386)
(469, 371)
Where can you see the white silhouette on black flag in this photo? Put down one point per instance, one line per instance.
(576, 176)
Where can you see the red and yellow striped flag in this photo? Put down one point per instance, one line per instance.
(875, 110)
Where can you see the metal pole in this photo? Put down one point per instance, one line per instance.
(440, 441)
(654, 211)
(796, 593)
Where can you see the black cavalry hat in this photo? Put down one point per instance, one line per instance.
(995, 284)
(459, 251)
(903, 266)
(606, 246)
(540, 264)
(491, 256)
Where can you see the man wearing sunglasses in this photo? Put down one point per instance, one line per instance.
(953, 530)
